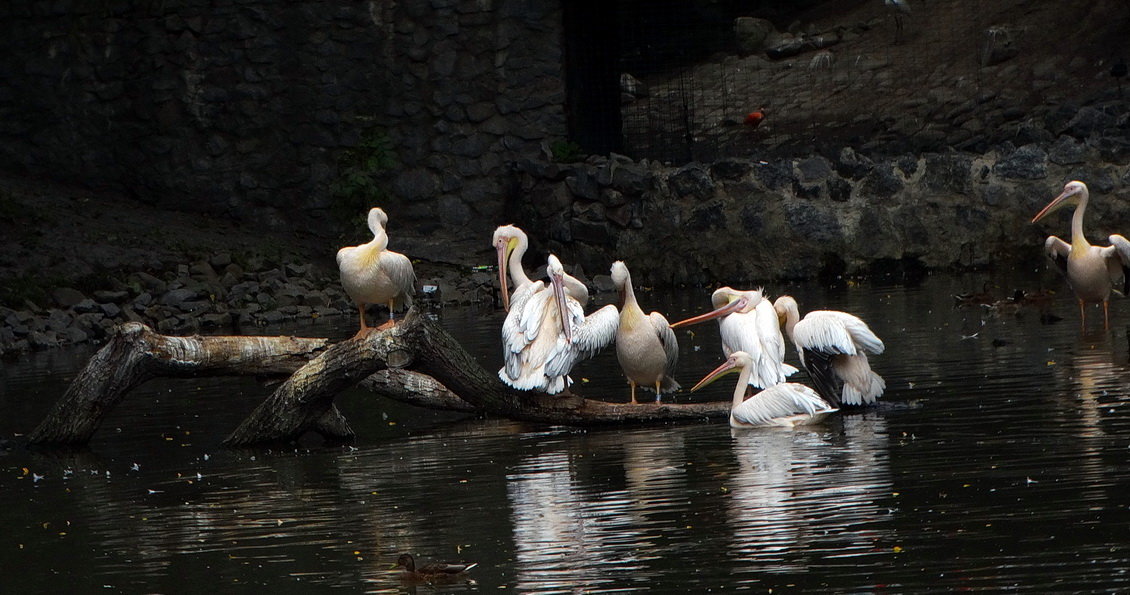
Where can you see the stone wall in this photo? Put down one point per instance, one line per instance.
(264, 110)
(743, 221)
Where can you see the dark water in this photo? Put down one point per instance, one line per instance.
(999, 462)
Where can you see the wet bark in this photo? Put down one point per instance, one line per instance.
(415, 362)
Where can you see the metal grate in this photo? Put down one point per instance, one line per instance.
(946, 73)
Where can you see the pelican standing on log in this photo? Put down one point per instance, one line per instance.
(747, 322)
(511, 244)
(786, 404)
(546, 332)
(371, 274)
(645, 344)
(1091, 271)
(833, 348)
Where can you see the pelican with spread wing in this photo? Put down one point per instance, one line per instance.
(833, 348)
(546, 332)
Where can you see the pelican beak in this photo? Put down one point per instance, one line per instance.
(558, 283)
(718, 372)
(729, 308)
(504, 248)
(1055, 204)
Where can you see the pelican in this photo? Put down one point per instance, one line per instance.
(645, 344)
(511, 244)
(747, 322)
(546, 332)
(1091, 270)
(787, 404)
(371, 274)
(833, 347)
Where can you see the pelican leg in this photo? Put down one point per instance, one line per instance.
(1082, 315)
(391, 319)
(1106, 315)
(658, 395)
(633, 383)
(361, 313)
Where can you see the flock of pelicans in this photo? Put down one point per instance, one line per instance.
(546, 331)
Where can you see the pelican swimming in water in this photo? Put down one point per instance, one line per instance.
(370, 274)
(833, 348)
(786, 404)
(1091, 271)
(747, 322)
(511, 244)
(645, 344)
(546, 332)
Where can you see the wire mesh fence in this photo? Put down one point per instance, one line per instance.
(923, 75)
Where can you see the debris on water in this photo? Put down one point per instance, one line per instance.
(135, 467)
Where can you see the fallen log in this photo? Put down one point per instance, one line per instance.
(416, 361)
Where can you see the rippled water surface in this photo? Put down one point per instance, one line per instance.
(999, 460)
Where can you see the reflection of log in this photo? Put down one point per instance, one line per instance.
(385, 362)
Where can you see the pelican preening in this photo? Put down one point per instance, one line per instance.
(645, 344)
(833, 348)
(1092, 271)
(747, 322)
(546, 331)
(511, 244)
(786, 404)
(371, 274)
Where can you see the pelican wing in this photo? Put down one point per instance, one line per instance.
(399, 270)
(1058, 251)
(778, 401)
(824, 331)
(740, 332)
(823, 374)
(1118, 260)
(590, 335)
(521, 325)
(773, 367)
(670, 347)
(835, 332)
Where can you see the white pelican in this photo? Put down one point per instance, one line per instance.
(546, 332)
(1091, 270)
(786, 404)
(511, 244)
(747, 322)
(833, 347)
(371, 274)
(645, 344)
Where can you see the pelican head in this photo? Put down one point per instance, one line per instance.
(556, 273)
(737, 361)
(726, 301)
(787, 309)
(377, 219)
(507, 239)
(621, 278)
(1074, 193)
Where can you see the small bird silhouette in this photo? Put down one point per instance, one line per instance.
(431, 573)
(754, 119)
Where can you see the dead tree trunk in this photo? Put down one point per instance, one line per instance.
(136, 354)
(415, 361)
